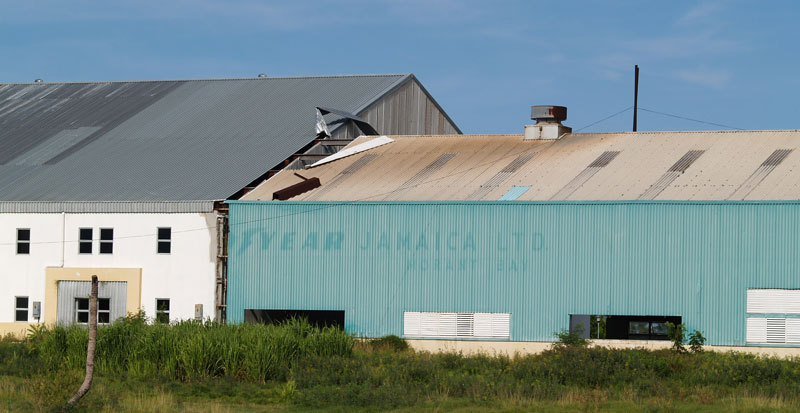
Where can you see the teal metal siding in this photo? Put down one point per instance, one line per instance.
(538, 261)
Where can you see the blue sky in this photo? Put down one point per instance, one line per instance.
(734, 63)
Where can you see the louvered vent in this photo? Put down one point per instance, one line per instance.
(776, 330)
(773, 301)
(773, 330)
(449, 325)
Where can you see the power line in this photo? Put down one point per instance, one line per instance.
(690, 119)
(605, 118)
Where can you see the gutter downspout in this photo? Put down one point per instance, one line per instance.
(221, 292)
(63, 235)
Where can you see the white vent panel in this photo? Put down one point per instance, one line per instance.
(773, 301)
(411, 323)
(793, 331)
(450, 325)
(756, 330)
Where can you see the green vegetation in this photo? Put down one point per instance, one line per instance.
(566, 338)
(696, 341)
(211, 367)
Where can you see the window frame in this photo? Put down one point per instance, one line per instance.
(83, 241)
(166, 241)
(17, 308)
(78, 310)
(159, 312)
(103, 242)
(26, 242)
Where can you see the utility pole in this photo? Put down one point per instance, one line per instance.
(635, 95)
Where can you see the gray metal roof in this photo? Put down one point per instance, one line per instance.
(162, 140)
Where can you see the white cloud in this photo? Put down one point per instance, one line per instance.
(705, 12)
(715, 79)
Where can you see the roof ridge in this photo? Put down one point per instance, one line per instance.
(688, 131)
(213, 79)
(469, 135)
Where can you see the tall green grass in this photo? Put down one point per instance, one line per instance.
(191, 350)
(389, 380)
(320, 367)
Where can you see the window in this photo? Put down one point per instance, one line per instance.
(639, 328)
(622, 327)
(164, 240)
(473, 325)
(319, 318)
(23, 241)
(82, 310)
(103, 310)
(21, 310)
(85, 243)
(106, 240)
(162, 310)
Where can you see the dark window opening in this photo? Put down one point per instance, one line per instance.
(622, 327)
(82, 310)
(21, 309)
(164, 244)
(23, 241)
(162, 310)
(106, 240)
(85, 244)
(319, 318)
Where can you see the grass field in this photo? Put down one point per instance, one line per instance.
(296, 367)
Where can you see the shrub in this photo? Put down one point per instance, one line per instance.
(571, 338)
(390, 343)
(696, 341)
(676, 334)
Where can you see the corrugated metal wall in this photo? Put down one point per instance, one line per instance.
(540, 262)
(408, 110)
(68, 291)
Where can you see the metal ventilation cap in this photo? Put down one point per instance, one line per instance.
(548, 113)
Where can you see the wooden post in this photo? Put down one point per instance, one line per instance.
(87, 382)
(635, 94)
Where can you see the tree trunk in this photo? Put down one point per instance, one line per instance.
(87, 382)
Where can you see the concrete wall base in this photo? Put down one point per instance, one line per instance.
(511, 348)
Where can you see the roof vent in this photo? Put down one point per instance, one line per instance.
(38, 81)
(262, 75)
(548, 123)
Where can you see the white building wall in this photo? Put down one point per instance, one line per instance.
(186, 276)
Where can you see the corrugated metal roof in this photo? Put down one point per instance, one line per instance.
(152, 207)
(162, 140)
(701, 166)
